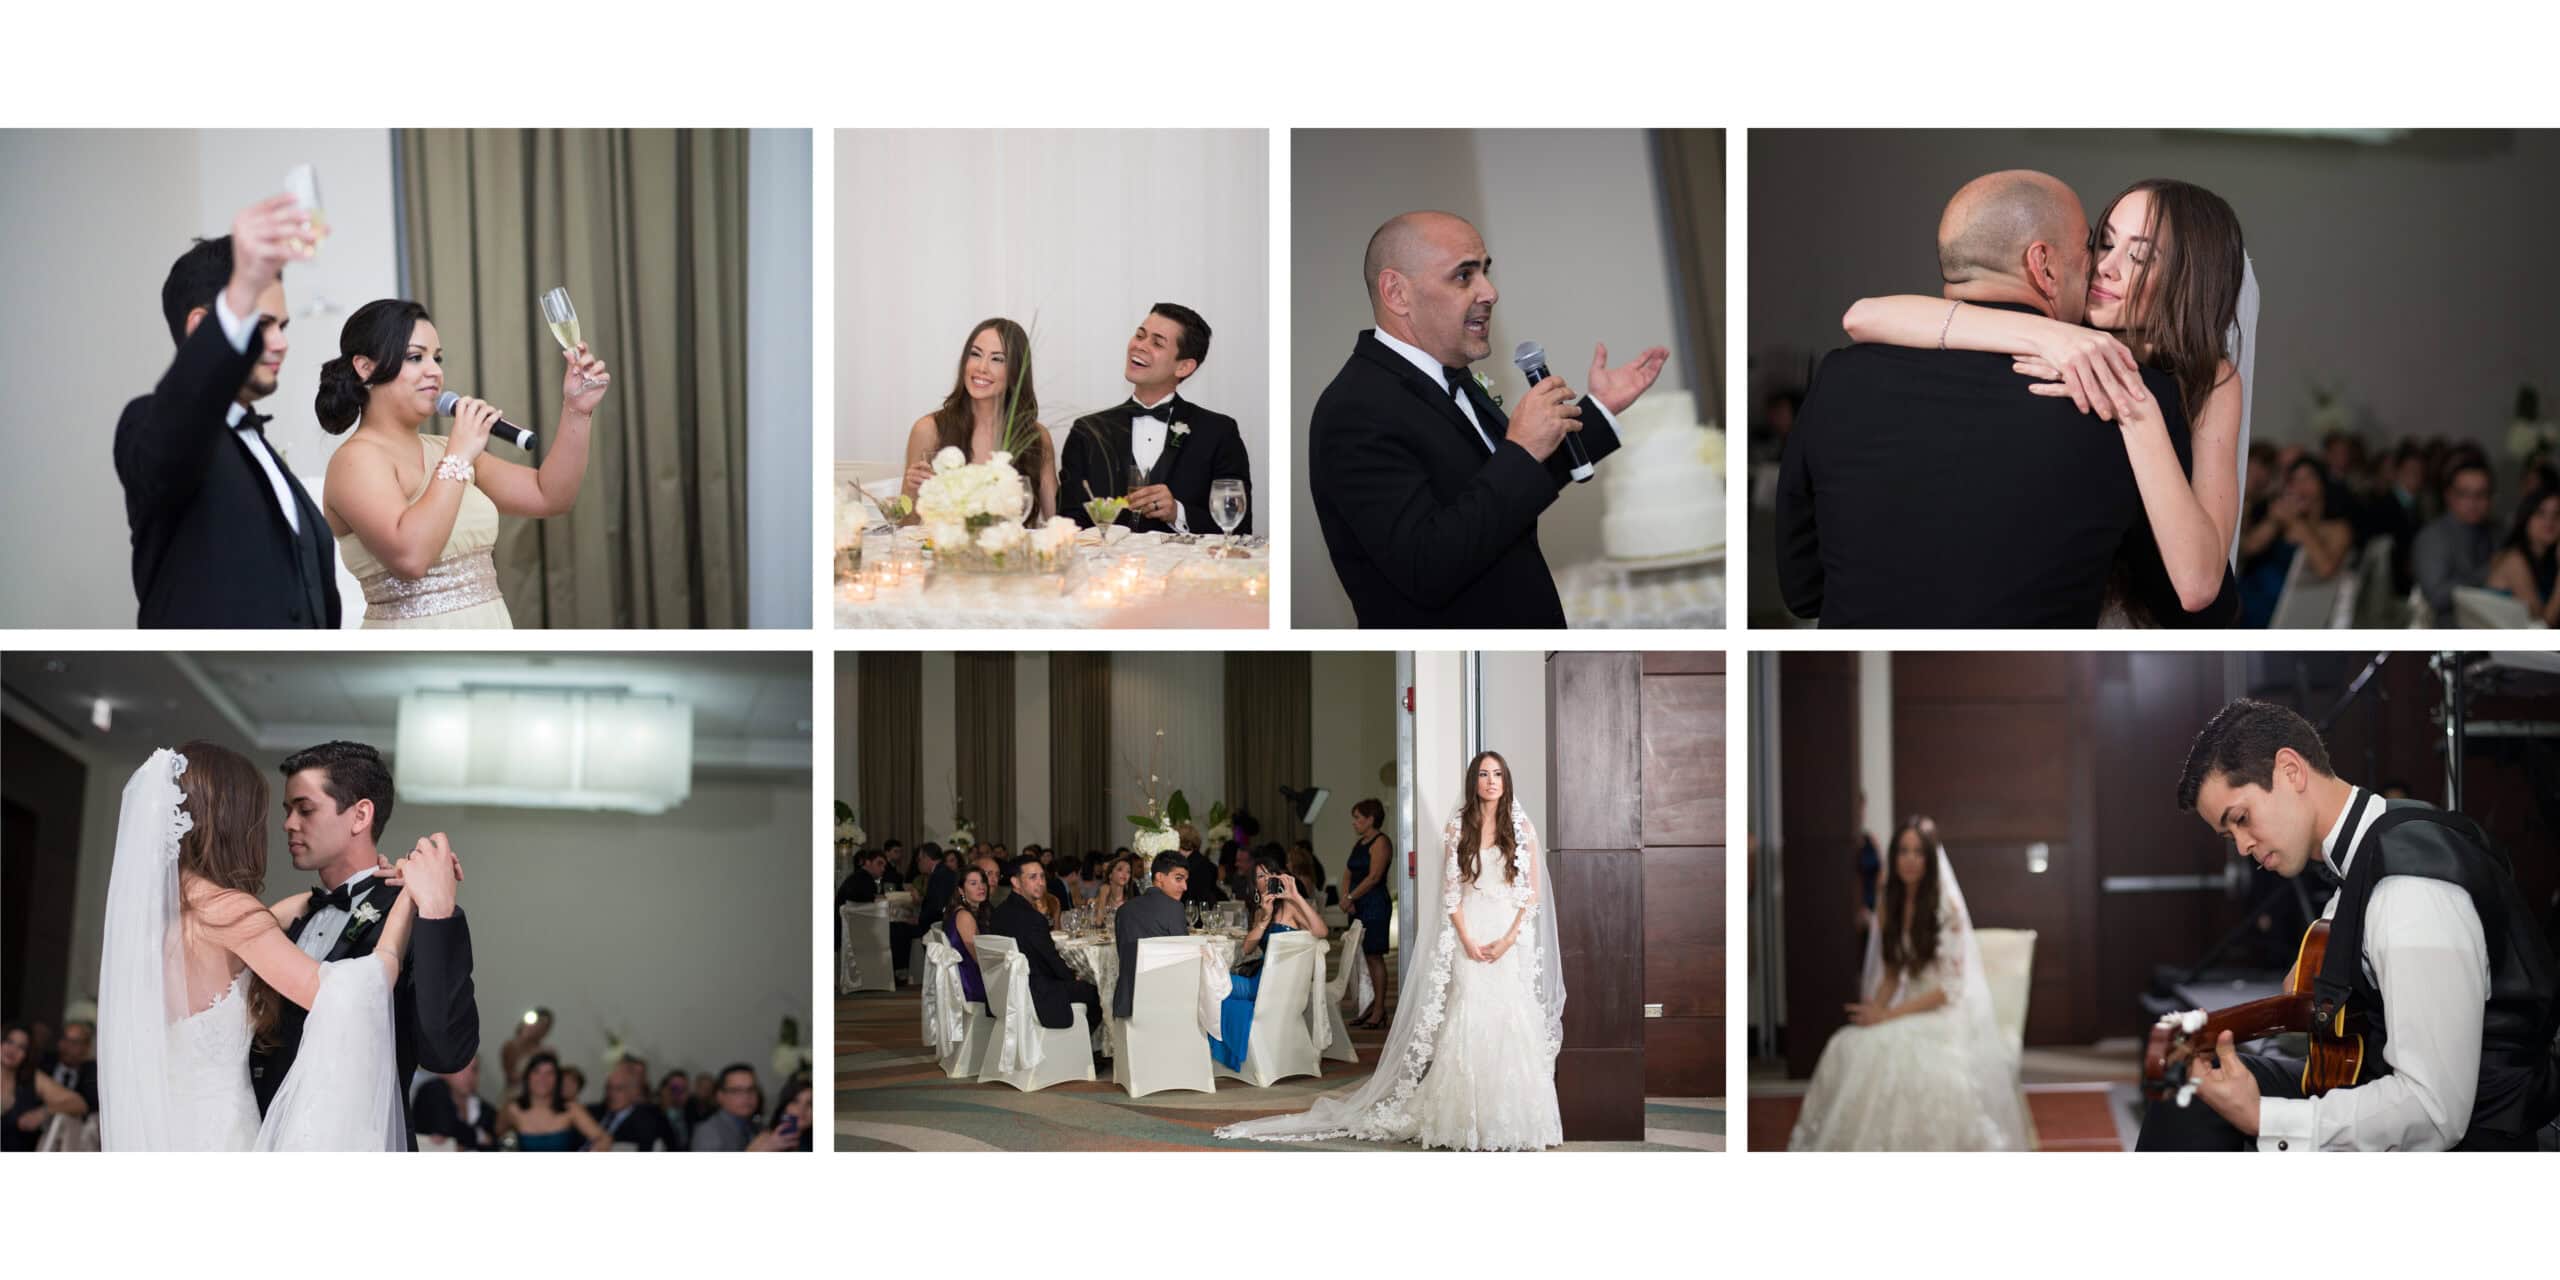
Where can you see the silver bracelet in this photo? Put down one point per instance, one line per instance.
(1950, 323)
(453, 468)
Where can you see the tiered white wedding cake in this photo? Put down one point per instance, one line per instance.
(1665, 485)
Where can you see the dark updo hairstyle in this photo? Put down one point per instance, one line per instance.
(378, 331)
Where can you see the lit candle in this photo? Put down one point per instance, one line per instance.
(858, 591)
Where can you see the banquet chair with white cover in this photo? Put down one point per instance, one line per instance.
(1024, 1054)
(2306, 603)
(2008, 968)
(866, 965)
(1280, 1044)
(2480, 609)
(1160, 1046)
(69, 1133)
(2377, 607)
(943, 1002)
(1339, 985)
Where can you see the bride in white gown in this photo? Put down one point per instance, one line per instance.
(192, 966)
(1922, 1065)
(1470, 1062)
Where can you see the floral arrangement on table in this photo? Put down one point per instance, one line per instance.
(973, 516)
(1156, 829)
(963, 836)
(2530, 430)
(1221, 827)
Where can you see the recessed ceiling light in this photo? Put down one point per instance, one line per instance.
(102, 715)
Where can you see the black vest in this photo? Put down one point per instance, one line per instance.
(2519, 1061)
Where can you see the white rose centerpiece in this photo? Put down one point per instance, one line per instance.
(972, 513)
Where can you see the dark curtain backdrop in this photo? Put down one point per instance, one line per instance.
(1268, 737)
(982, 707)
(889, 705)
(647, 229)
(1080, 818)
(1690, 163)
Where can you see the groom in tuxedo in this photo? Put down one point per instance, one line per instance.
(1159, 450)
(223, 535)
(1427, 488)
(1931, 488)
(337, 800)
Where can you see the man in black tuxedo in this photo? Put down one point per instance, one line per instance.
(1054, 986)
(223, 535)
(1428, 491)
(337, 797)
(1201, 886)
(74, 1063)
(1157, 913)
(1157, 449)
(1931, 488)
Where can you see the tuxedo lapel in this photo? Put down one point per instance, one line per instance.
(358, 937)
(1163, 468)
(1433, 394)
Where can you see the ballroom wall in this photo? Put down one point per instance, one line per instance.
(2412, 276)
(1572, 219)
(1073, 233)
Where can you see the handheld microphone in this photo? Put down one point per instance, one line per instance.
(1532, 361)
(502, 429)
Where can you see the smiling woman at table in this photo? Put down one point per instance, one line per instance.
(991, 409)
(1277, 908)
(962, 922)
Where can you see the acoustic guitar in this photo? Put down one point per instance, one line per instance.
(2336, 1060)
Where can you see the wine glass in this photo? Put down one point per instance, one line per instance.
(302, 182)
(1227, 505)
(562, 315)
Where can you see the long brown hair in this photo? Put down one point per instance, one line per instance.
(1017, 406)
(2197, 253)
(1468, 861)
(226, 798)
(1921, 905)
(978, 911)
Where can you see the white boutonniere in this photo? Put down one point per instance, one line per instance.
(367, 914)
(1485, 385)
(1179, 430)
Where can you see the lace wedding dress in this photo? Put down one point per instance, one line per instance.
(1942, 1080)
(1470, 1061)
(175, 1079)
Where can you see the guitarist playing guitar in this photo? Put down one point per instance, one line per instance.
(2433, 999)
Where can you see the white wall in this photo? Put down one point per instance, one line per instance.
(2415, 277)
(1571, 218)
(1352, 729)
(937, 230)
(94, 219)
(780, 347)
(1515, 724)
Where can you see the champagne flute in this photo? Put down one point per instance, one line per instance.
(562, 315)
(302, 182)
(1226, 504)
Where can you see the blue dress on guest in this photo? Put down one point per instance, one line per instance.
(1235, 1016)
(972, 983)
(2262, 583)
(1371, 909)
(565, 1140)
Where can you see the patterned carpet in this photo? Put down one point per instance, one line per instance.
(892, 1096)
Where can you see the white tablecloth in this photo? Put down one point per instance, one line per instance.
(1098, 959)
(1602, 594)
(1182, 586)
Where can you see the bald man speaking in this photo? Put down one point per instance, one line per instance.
(1931, 488)
(1428, 490)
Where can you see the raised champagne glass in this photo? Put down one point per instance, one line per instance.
(302, 182)
(562, 315)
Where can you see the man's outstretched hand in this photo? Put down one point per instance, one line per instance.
(1617, 388)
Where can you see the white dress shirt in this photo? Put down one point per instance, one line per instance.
(321, 931)
(1146, 444)
(2425, 951)
(239, 332)
(1432, 369)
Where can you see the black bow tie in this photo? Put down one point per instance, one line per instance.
(1164, 411)
(255, 421)
(1457, 379)
(341, 897)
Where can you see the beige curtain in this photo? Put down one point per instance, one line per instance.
(1690, 163)
(647, 229)
(982, 708)
(1268, 737)
(1080, 817)
(889, 711)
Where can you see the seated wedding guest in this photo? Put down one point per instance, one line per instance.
(733, 1127)
(702, 1099)
(631, 1122)
(449, 1106)
(416, 514)
(962, 922)
(2455, 548)
(993, 869)
(1368, 901)
(1054, 984)
(1085, 882)
(1309, 871)
(1241, 864)
(573, 1084)
(2299, 522)
(2528, 566)
(546, 1115)
(1116, 889)
(675, 1094)
(894, 869)
(74, 1064)
(522, 1046)
(2402, 508)
(1244, 829)
(1204, 872)
(1155, 913)
(992, 409)
(1277, 908)
(940, 883)
(789, 1128)
(867, 883)
(29, 1099)
(1161, 452)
